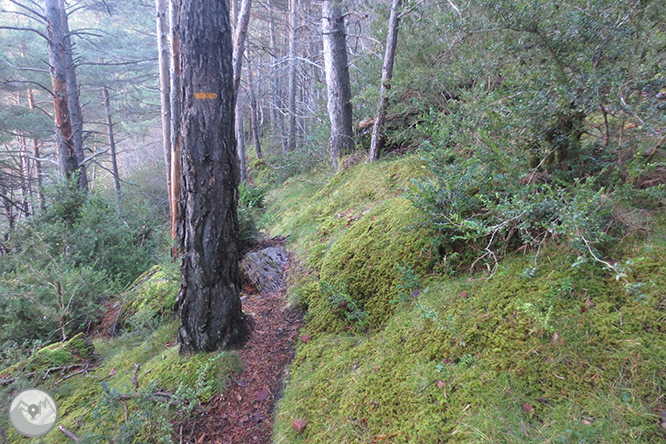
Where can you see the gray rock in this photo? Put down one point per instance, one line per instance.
(265, 268)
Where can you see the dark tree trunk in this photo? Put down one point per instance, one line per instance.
(112, 141)
(209, 305)
(387, 75)
(75, 113)
(337, 81)
(67, 157)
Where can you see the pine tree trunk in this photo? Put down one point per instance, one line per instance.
(240, 138)
(239, 41)
(75, 113)
(277, 107)
(254, 114)
(165, 87)
(36, 154)
(387, 75)
(112, 141)
(337, 81)
(67, 157)
(175, 108)
(291, 134)
(209, 305)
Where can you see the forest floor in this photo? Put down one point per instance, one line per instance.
(243, 414)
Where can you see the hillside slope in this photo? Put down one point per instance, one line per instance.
(407, 348)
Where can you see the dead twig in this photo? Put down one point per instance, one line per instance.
(68, 433)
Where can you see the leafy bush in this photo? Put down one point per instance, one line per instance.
(494, 202)
(65, 262)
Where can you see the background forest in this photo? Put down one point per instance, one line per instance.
(523, 141)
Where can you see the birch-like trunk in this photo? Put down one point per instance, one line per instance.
(163, 55)
(337, 80)
(277, 107)
(387, 75)
(112, 141)
(175, 108)
(36, 154)
(254, 113)
(291, 134)
(240, 138)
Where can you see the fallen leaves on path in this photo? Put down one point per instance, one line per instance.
(243, 414)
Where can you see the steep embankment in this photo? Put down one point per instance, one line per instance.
(405, 349)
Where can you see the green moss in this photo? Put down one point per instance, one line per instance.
(151, 296)
(364, 258)
(551, 353)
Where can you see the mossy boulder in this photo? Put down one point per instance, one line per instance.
(76, 350)
(364, 259)
(150, 297)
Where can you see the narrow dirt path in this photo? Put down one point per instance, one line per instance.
(243, 414)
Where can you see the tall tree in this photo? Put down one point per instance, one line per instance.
(387, 75)
(165, 87)
(209, 305)
(175, 109)
(75, 113)
(254, 112)
(112, 141)
(55, 28)
(291, 134)
(337, 80)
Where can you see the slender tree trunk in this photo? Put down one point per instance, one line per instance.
(291, 134)
(165, 87)
(36, 154)
(175, 108)
(75, 113)
(112, 141)
(209, 305)
(240, 138)
(67, 157)
(277, 106)
(337, 81)
(239, 42)
(253, 107)
(387, 75)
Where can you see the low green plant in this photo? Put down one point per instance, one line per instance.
(342, 303)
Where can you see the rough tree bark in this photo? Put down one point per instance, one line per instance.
(75, 113)
(387, 75)
(175, 108)
(165, 88)
(291, 134)
(209, 305)
(112, 141)
(337, 80)
(67, 157)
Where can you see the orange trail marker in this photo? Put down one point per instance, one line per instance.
(205, 95)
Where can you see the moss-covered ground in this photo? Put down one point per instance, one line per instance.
(402, 352)
(103, 404)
